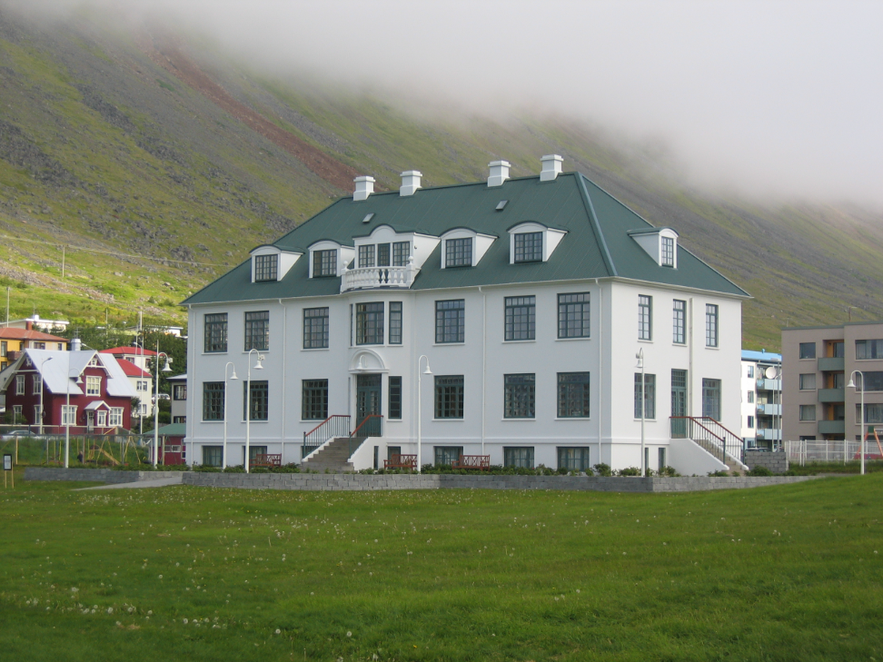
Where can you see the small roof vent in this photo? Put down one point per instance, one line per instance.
(368, 217)
(501, 205)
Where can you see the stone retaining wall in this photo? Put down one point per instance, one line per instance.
(776, 462)
(364, 482)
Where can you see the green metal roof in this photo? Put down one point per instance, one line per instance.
(597, 243)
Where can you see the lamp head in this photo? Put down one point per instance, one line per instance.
(259, 365)
(427, 371)
(851, 383)
(234, 377)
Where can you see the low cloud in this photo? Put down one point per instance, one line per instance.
(761, 96)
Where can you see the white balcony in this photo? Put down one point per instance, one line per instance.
(369, 278)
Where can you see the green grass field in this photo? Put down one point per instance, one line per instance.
(781, 573)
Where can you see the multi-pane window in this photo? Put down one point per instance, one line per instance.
(369, 323)
(668, 252)
(450, 321)
(520, 321)
(395, 398)
(873, 412)
(68, 414)
(315, 328)
(645, 314)
(260, 401)
(395, 322)
(37, 384)
(518, 456)
(870, 381)
(101, 418)
(573, 395)
(519, 395)
(266, 267)
(449, 396)
(711, 398)
(808, 381)
(325, 263)
(401, 251)
(750, 372)
(115, 419)
(750, 396)
(314, 401)
(382, 255)
(216, 332)
(573, 458)
(257, 330)
(213, 401)
(869, 349)
(528, 247)
(179, 392)
(750, 421)
(679, 322)
(807, 350)
(212, 456)
(366, 256)
(93, 385)
(807, 413)
(573, 315)
(711, 319)
(649, 393)
(19, 384)
(445, 455)
(458, 252)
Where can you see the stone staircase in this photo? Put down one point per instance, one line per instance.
(333, 457)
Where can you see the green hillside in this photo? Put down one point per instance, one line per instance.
(135, 167)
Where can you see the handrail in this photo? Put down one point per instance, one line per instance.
(370, 432)
(708, 430)
(336, 425)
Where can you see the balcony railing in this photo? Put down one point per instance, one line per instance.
(831, 394)
(832, 364)
(367, 278)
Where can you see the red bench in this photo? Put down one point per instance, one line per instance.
(399, 461)
(270, 460)
(481, 462)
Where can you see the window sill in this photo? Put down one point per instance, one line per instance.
(573, 418)
(448, 420)
(449, 344)
(520, 419)
(574, 338)
(517, 342)
(315, 349)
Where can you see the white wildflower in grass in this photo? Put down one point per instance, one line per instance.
(349, 634)
(278, 631)
(110, 610)
(185, 621)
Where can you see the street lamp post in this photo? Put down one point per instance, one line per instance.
(258, 366)
(156, 403)
(232, 378)
(851, 384)
(420, 408)
(640, 357)
(42, 389)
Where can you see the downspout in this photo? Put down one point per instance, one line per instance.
(284, 371)
(690, 375)
(191, 354)
(483, 362)
(600, 368)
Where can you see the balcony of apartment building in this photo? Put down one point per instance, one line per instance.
(834, 357)
(833, 421)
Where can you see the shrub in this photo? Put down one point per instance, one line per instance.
(603, 469)
(760, 471)
(629, 471)
(668, 472)
(718, 474)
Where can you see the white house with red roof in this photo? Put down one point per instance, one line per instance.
(137, 355)
(141, 381)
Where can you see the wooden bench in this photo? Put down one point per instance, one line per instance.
(481, 462)
(399, 461)
(269, 460)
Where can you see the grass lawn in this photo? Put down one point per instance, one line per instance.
(779, 573)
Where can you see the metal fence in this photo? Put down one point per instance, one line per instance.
(830, 450)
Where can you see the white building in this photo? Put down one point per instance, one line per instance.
(529, 299)
(761, 399)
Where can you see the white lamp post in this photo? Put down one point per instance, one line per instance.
(640, 357)
(156, 404)
(258, 366)
(42, 388)
(851, 384)
(232, 378)
(420, 408)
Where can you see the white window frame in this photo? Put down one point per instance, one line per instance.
(93, 385)
(68, 415)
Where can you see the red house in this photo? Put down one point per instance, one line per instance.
(84, 390)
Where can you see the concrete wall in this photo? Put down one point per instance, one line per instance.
(364, 482)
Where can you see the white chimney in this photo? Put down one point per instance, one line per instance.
(499, 172)
(410, 182)
(551, 167)
(76, 344)
(364, 187)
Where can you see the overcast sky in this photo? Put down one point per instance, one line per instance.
(765, 95)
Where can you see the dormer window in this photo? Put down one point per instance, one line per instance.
(661, 244)
(266, 267)
(325, 263)
(271, 263)
(667, 256)
(529, 247)
(458, 252)
(366, 255)
(532, 242)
